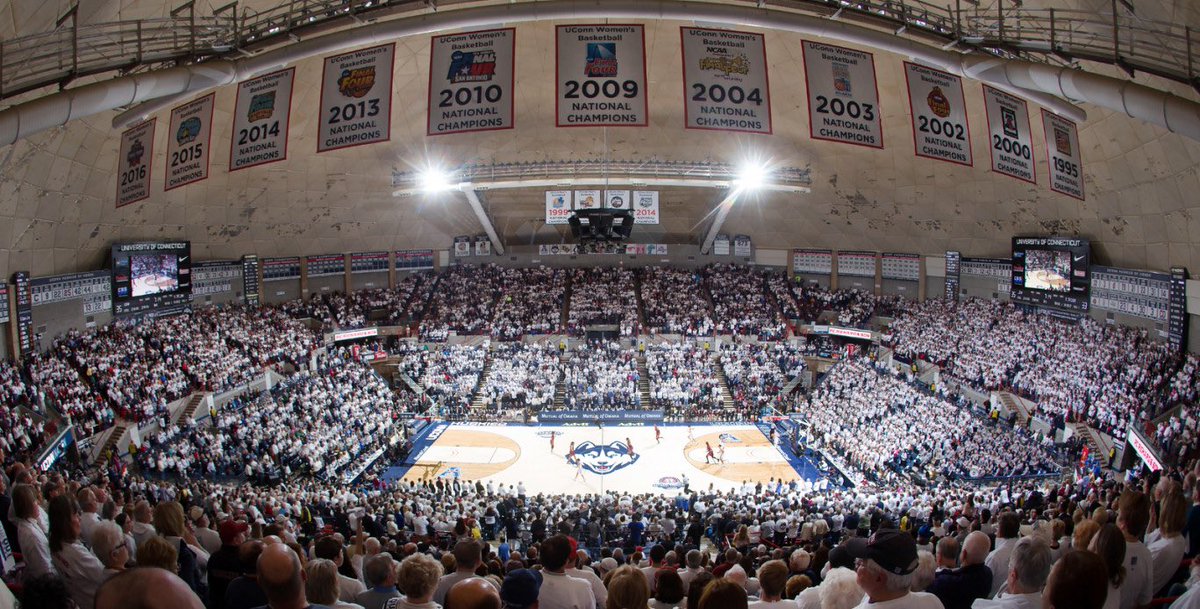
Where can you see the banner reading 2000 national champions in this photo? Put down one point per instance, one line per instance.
(601, 74)
(471, 82)
(843, 99)
(356, 98)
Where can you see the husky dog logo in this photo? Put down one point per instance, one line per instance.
(728, 438)
(604, 459)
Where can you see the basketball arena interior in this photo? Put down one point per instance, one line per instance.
(599, 304)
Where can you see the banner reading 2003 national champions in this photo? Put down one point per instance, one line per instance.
(843, 99)
(601, 75)
(471, 82)
(725, 80)
(260, 120)
(356, 98)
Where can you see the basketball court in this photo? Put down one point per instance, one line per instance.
(508, 454)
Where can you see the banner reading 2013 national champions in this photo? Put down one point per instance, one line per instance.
(725, 80)
(939, 111)
(601, 75)
(471, 82)
(356, 98)
(843, 99)
(260, 120)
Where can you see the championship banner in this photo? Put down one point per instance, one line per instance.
(483, 246)
(645, 207)
(133, 163)
(558, 206)
(1009, 135)
(843, 98)
(587, 199)
(601, 75)
(721, 245)
(1062, 148)
(260, 120)
(741, 246)
(462, 247)
(941, 129)
(471, 81)
(188, 142)
(616, 199)
(725, 80)
(356, 98)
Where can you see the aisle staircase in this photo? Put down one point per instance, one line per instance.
(188, 412)
(641, 305)
(643, 380)
(726, 395)
(111, 444)
(1012, 404)
(560, 388)
(1093, 443)
(477, 401)
(566, 308)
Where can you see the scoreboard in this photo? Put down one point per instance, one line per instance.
(369, 262)
(1137, 293)
(278, 269)
(1052, 272)
(250, 265)
(902, 267)
(326, 265)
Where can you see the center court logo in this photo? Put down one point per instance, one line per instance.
(728, 438)
(604, 459)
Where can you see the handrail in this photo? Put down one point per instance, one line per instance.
(1054, 36)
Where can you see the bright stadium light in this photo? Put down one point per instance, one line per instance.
(434, 180)
(752, 176)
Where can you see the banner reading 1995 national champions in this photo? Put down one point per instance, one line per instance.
(356, 98)
(471, 81)
(843, 99)
(1062, 146)
(260, 120)
(940, 127)
(725, 80)
(601, 75)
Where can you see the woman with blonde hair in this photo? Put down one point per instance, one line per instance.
(1084, 531)
(418, 577)
(1166, 543)
(627, 589)
(171, 526)
(321, 584)
(1109, 544)
(108, 543)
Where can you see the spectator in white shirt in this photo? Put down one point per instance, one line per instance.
(79, 568)
(1133, 516)
(559, 590)
(772, 578)
(1166, 543)
(1006, 538)
(1028, 568)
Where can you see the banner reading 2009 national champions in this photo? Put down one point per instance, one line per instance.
(843, 99)
(471, 82)
(260, 120)
(601, 74)
(356, 98)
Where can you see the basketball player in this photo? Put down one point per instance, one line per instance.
(552, 434)
(579, 470)
(708, 452)
(629, 445)
(721, 453)
(657, 434)
(691, 434)
(571, 453)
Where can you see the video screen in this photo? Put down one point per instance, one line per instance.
(154, 273)
(1048, 270)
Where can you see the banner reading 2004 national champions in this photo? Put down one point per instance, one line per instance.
(260, 120)
(188, 142)
(601, 75)
(356, 98)
(843, 99)
(725, 80)
(471, 82)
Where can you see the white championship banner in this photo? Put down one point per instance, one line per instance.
(616, 199)
(587, 199)
(260, 120)
(1062, 148)
(725, 80)
(133, 164)
(356, 98)
(645, 207)
(941, 129)
(601, 75)
(188, 142)
(843, 98)
(1010, 138)
(471, 81)
(558, 206)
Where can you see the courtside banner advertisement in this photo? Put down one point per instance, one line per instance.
(471, 81)
(601, 76)
(939, 112)
(616, 199)
(843, 98)
(188, 142)
(133, 164)
(260, 120)
(587, 199)
(558, 206)
(356, 98)
(1010, 138)
(725, 80)
(1062, 148)
(645, 207)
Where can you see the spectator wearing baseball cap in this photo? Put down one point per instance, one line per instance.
(884, 564)
(224, 565)
(209, 539)
(521, 589)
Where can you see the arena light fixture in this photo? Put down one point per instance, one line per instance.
(434, 180)
(751, 176)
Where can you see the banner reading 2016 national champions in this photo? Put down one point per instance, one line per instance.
(188, 142)
(601, 75)
(843, 99)
(1010, 137)
(939, 111)
(133, 165)
(260, 120)
(725, 80)
(471, 82)
(356, 98)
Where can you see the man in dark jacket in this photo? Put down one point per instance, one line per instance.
(958, 588)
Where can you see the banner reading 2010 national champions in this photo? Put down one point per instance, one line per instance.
(260, 120)
(471, 82)
(843, 99)
(356, 98)
(601, 75)
(725, 80)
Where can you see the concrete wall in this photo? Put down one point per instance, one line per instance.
(272, 292)
(369, 281)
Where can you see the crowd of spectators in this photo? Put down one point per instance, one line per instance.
(520, 377)
(675, 302)
(449, 374)
(600, 375)
(758, 372)
(603, 296)
(531, 302)
(741, 303)
(683, 380)
(464, 301)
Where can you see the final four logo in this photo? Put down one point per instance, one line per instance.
(601, 60)
(472, 66)
(356, 82)
(136, 150)
(604, 459)
(188, 131)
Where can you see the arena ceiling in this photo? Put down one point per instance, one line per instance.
(57, 211)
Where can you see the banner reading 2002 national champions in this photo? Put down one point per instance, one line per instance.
(471, 82)
(356, 98)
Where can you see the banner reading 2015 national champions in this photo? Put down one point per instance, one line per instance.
(601, 75)
(725, 80)
(356, 98)
(471, 82)
(939, 111)
(843, 99)
(260, 120)
(188, 142)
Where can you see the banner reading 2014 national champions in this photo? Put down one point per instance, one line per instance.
(356, 98)
(260, 120)
(725, 80)
(471, 81)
